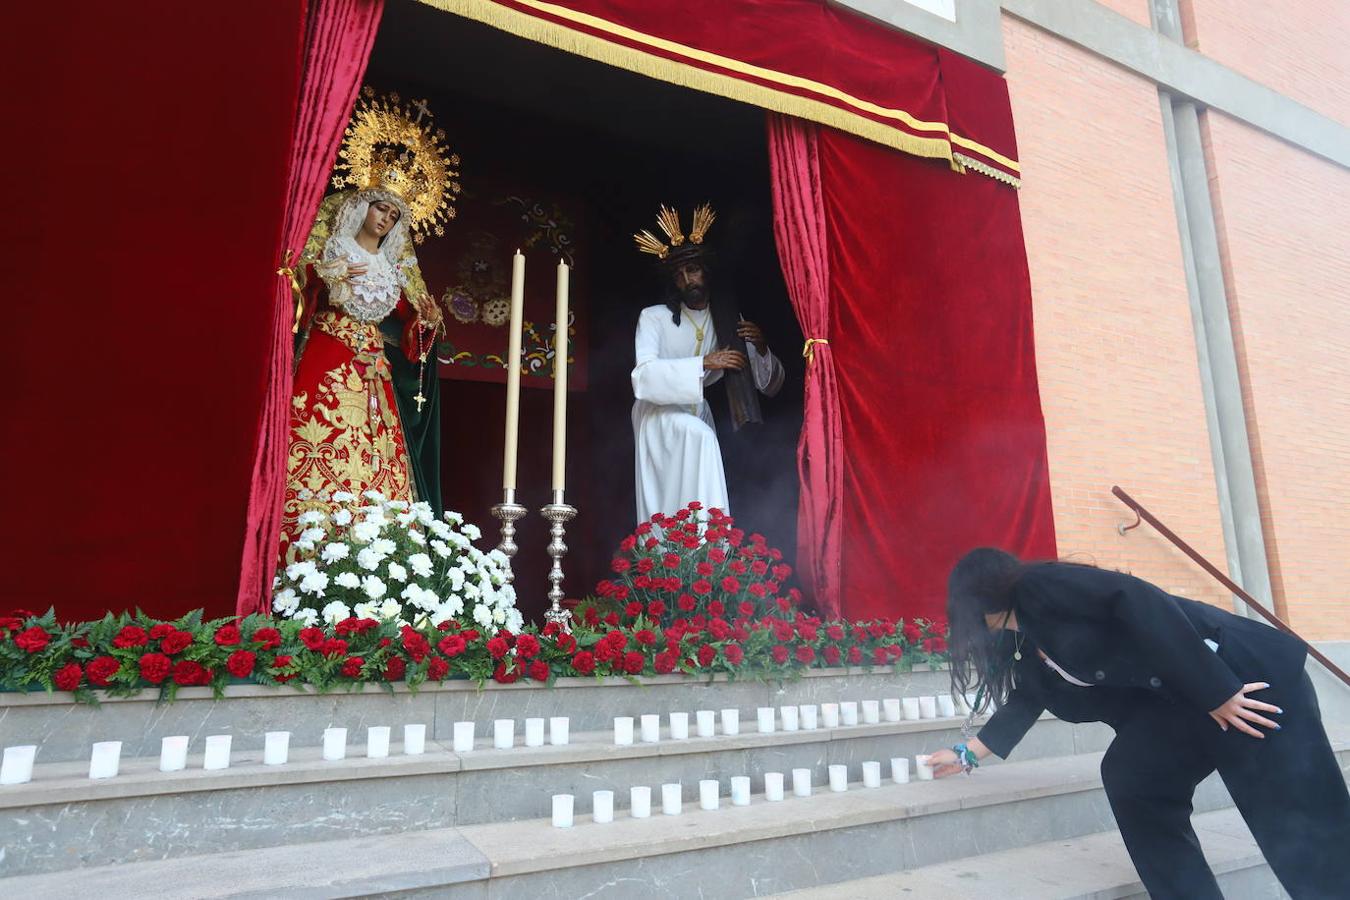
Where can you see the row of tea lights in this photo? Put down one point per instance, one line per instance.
(710, 791)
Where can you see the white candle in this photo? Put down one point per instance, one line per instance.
(562, 810)
(764, 719)
(503, 733)
(217, 751)
(602, 807)
(801, 782)
(463, 741)
(809, 722)
(560, 383)
(911, 706)
(679, 726)
(789, 715)
(871, 774)
(773, 786)
(838, 778)
(651, 729)
(848, 713)
(740, 788)
(513, 371)
(377, 741)
(709, 790)
(672, 799)
(173, 753)
(623, 730)
(946, 706)
(558, 730)
(640, 802)
(900, 769)
(871, 712)
(334, 743)
(414, 739)
(105, 759)
(829, 714)
(17, 767)
(534, 732)
(705, 723)
(276, 747)
(921, 766)
(891, 710)
(927, 707)
(731, 721)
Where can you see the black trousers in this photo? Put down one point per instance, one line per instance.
(1288, 787)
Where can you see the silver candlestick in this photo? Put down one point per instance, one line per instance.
(558, 514)
(508, 511)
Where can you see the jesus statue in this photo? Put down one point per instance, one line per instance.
(684, 346)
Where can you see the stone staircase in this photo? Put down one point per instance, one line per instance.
(475, 824)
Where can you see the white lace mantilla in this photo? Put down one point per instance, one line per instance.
(369, 297)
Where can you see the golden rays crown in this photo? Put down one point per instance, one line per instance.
(668, 220)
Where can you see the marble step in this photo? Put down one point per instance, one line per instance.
(734, 852)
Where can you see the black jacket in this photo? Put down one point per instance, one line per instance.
(1127, 638)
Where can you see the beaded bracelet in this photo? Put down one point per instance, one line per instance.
(966, 757)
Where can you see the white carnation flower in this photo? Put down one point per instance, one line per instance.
(424, 513)
(365, 532)
(440, 529)
(406, 518)
(397, 572)
(472, 591)
(456, 579)
(368, 559)
(306, 615)
(472, 532)
(285, 602)
(304, 546)
(398, 504)
(347, 580)
(343, 517)
(312, 535)
(373, 587)
(483, 616)
(514, 621)
(417, 537)
(383, 546)
(310, 517)
(421, 564)
(335, 612)
(343, 496)
(427, 600)
(334, 552)
(374, 496)
(314, 583)
(499, 616)
(444, 614)
(297, 571)
(453, 517)
(366, 609)
(442, 549)
(454, 603)
(390, 609)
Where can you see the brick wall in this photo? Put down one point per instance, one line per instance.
(1115, 348)
(1282, 219)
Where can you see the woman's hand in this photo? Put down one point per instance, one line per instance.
(944, 762)
(1240, 710)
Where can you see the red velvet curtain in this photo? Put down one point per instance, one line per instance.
(146, 164)
(338, 38)
(799, 232)
(931, 334)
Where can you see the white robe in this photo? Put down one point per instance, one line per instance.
(678, 458)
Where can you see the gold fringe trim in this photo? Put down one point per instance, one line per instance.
(986, 152)
(976, 166)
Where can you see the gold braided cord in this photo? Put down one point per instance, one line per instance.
(809, 348)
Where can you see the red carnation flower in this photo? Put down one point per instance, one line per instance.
(471, 634)
(806, 631)
(132, 636)
(539, 670)
(834, 632)
(240, 663)
(651, 544)
(162, 630)
(706, 655)
(437, 669)
(656, 609)
(452, 645)
(879, 656)
(618, 565)
(912, 632)
(832, 656)
(395, 669)
(733, 654)
(101, 670)
(416, 646)
(270, 638)
(584, 663)
(686, 603)
(616, 639)
(738, 567)
(719, 629)
(779, 653)
(746, 608)
(806, 655)
(760, 589)
(645, 565)
(665, 662)
(334, 647)
(527, 646)
(612, 619)
(854, 655)
(227, 635)
(634, 662)
(497, 647)
(68, 677)
(506, 673)
(566, 643)
(282, 661)
(351, 666)
(189, 672)
(155, 667)
(671, 560)
(646, 637)
(176, 642)
(312, 638)
(702, 587)
(731, 584)
(717, 555)
(33, 640)
(759, 567)
(628, 543)
(633, 610)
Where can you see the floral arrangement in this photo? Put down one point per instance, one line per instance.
(390, 560)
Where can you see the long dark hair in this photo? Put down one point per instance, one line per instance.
(980, 584)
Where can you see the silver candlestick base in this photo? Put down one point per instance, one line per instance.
(558, 515)
(508, 511)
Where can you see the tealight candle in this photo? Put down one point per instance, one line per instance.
(640, 802)
(623, 730)
(891, 710)
(276, 748)
(708, 794)
(773, 786)
(740, 789)
(334, 743)
(463, 741)
(651, 729)
(911, 706)
(217, 751)
(503, 733)
(871, 774)
(104, 759)
(679, 726)
(871, 712)
(829, 714)
(705, 723)
(562, 810)
(900, 769)
(173, 753)
(809, 719)
(764, 719)
(731, 721)
(927, 707)
(801, 782)
(559, 730)
(946, 706)
(377, 741)
(534, 732)
(838, 778)
(848, 713)
(921, 766)
(414, 739)
(602, 807)
(790, 716)
(672, 799)
(17, 767)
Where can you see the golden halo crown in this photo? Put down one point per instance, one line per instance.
(395, 146)
(668, 220)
